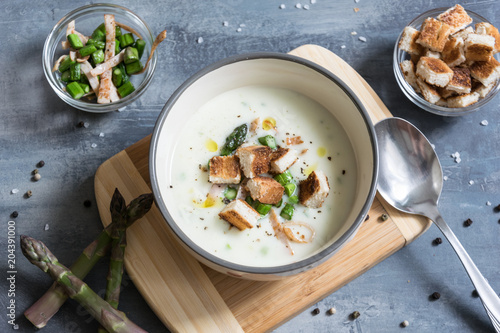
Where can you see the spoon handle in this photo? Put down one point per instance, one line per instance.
(490, 299)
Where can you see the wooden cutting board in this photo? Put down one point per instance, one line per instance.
(190, 297)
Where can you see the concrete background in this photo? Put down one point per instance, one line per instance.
(36, 125)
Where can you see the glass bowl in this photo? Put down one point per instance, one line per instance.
(400, 55)
(87, 18)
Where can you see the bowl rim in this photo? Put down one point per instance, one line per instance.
(88, 106)
(286, 269)
(416, 98)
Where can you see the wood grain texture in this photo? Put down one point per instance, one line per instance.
(189, 297)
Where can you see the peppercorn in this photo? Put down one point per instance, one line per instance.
(497, 209)
(475, 293)
(28, 194)
(332, 311)
(355, 315)
(41, 164)
(384, 217)
(87, 203)
(405, 323)
(80, 124)
(14, 214)
(34, 171)
(316, 311)
(37, 177)
(438, 241)
(436, 295)
(367, 217)
(467, 222)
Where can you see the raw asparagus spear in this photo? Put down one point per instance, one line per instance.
(118, 244)
(113, 320)
(42, 310)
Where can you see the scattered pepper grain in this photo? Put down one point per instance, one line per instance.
(40, 164)
(80, 124)
(367, 217)
(497, 208)
(34, 171)
(87, 203)
(14, 214)
(438, 241)
(384, 217)
(405, 323)
(355, 315)
(28, 194)
(37, 177)
(316, 311)
(435, 295)
(467, 222)
(475, 293)
(332, 311)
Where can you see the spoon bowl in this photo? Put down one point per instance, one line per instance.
(411, 179)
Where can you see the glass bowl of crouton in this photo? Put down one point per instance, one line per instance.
(446, 61)
(92, 71)
(263, 165)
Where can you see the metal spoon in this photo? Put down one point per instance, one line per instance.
(411, 180)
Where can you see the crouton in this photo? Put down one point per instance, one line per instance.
(314, 190)
(434, 34)
(408, 70)
(453, 52)
(486, 72)
(456, 17)
(463, 33)
(462, 101)
(240, 214)
(484, 28)
(224, 170)
(482, 90)
(434, 71)
(432, 54)
(429, 92)
(254, 160)
(479, 47)
(282, 159)
(445, 93)
(408, 40)
(265, 189)
(461, 81)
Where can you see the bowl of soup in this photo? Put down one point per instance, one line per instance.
(271, 140)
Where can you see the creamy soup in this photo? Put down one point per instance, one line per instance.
(325, 147)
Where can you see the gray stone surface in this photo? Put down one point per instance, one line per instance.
(36, 125)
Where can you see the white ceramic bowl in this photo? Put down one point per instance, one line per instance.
(277, 70)
(400, 55)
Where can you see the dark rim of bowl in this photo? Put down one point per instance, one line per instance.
(287, 269)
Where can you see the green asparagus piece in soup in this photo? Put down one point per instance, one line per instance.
(230, 193)
(269, 141)
(284, 178)
(287, 212)
(234, 140)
